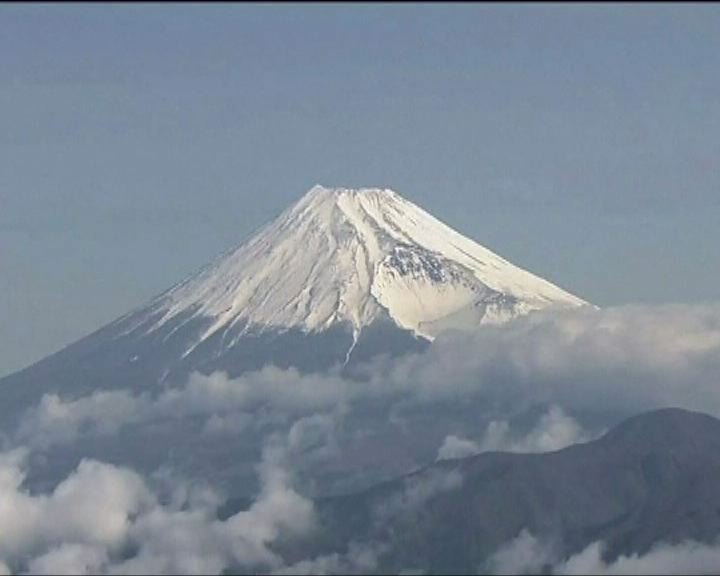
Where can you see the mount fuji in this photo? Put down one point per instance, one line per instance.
(340, 276)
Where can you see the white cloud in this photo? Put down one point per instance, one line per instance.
(619, 360)
(55, 421)
(554, 430)
(176, 541)
(525, 554)
(70, 559)
(642, 356)
(455, 447)
(92, 506)
(228, 404)
(615, 361)
(685, 558)
(100, 511)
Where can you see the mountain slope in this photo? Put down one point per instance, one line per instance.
(354, 256)
(339, 277)
(653, 478)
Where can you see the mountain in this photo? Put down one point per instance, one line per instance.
(340, 276)
(654, 478)
(354, 257)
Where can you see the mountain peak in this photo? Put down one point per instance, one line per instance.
(354, 256)
(320, 195)
(319, 189)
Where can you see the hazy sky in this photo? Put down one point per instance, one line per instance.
(139, 141)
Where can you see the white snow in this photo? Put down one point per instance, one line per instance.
(354, 255)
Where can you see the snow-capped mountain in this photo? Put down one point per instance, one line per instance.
(353, 256)
(339, 277)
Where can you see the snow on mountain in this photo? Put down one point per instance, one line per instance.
(353, 256)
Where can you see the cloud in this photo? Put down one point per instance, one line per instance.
(632, 358)
(417, 489)
(555, 430)
(70, 559)
(226, 402)
(315, 435)
(619, 361)
(359, 559)
(104, 518)
(227, 424)
(606, 363)
(584, 370)
(193, 541)
(525, 554)
(55, 421)
(685, 558)
(454, 447)
(92, 506)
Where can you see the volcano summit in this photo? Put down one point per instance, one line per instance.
(342, 256)
(338, 277)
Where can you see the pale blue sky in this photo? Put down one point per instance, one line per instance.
(138, 141)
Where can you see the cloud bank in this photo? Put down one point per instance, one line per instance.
(686, 558)
(620, 361)
(527, 554)
(104, 518)
(536, 384)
